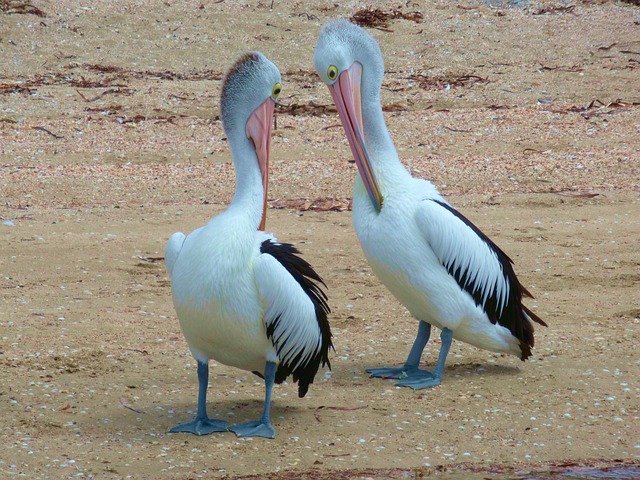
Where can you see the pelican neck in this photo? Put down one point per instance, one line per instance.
(382, 151)
(249, 193)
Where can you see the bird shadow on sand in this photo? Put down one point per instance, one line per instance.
(480, 369)
(236, 411)
(454, 371)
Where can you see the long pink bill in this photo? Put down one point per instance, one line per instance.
(259, 130)
(346, 96)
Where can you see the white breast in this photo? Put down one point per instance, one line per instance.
(216, 298)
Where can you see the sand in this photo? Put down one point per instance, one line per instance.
(527, 119)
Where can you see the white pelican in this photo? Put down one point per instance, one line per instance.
(242, 298)
(435, 261)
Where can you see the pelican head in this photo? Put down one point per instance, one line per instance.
(249, 92)
(349, 62)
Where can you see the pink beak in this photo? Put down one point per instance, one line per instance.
(346, 96)
(259, 130)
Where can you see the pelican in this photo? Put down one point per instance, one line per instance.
(242, 298)
(439, 265)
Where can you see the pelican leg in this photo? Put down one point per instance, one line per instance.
(262, 427)
(410, 367)
(202, 424)
(423, 378)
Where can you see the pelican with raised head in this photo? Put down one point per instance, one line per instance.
(434, 260)
(242, 298)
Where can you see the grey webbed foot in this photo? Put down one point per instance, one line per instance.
(409, 375)
(254, 428)
(389, 372)
(202, 426)
(418, 379)
(262, 427)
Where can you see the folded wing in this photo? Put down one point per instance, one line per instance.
(296, 311)
(479, 267)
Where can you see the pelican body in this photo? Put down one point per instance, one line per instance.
(439, 265)
(242, 298)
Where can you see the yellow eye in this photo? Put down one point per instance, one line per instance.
(332, 72)
(277, 88)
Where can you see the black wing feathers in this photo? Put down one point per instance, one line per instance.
(305, 275)
(514, 315)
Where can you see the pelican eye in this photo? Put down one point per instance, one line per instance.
(332, 72)
(277, 88)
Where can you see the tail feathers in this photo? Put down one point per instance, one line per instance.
(534, 317)
(304, 377)
(525, 350)
(528, 341)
